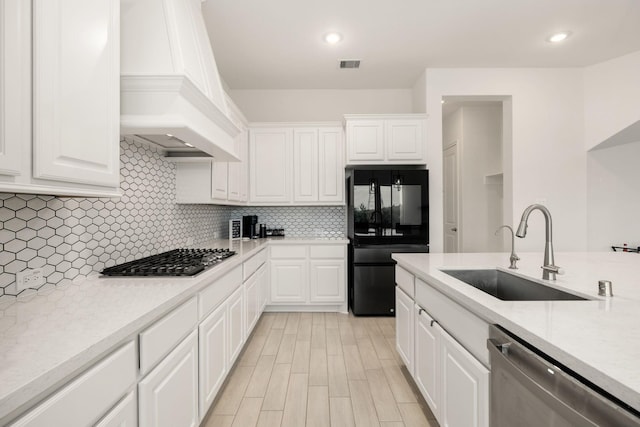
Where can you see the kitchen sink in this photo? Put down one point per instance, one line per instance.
(508, 287)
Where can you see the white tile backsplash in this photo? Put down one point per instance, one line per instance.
(68, 237)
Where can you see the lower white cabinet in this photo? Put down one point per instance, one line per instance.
(235, 310)
(213, 350)
(124, 414)
(89, 397)
(465, 387)
(453, 382)
(427, 358)
(168, 395)
(308, 275)
(405, 328)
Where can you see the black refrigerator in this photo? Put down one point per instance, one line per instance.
(388, 211)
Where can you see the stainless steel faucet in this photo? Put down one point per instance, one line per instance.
(513, 258)
(549, 269)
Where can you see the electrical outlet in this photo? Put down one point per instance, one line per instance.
(29, 279)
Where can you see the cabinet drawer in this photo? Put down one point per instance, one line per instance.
(158, 340)
(83, 401)
(251, 265)
(327, 251)
(469, 330)
(125, 414)
(289, 251)
(404, 280)
(212, 296)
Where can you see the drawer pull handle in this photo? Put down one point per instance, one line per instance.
(432, 322)
(420, 311)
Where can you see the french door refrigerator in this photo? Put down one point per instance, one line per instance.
(388, 211)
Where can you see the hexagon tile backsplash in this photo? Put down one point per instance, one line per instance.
(68, 237)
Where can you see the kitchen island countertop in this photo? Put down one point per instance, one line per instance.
(599, 338)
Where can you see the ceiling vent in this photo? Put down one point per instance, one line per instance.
(350, 63)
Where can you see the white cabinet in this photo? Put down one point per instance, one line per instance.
(301, 164)
(270, 160)
(451, 377)
(213, 349)
(288, 280)
(465, 387)
(124, 414)
(60, 97)
(305, 165)
(252, 301)
(427, 373)
(168, 396)
(405, 329)
(386, 139)
(365, 140)
(308, 275)
(235, 313)
(86, 399)
(219, 181)
(330, 165)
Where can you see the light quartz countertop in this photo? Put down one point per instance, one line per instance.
(599, 339)
(48, 339)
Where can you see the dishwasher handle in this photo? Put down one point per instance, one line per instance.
(542, 378)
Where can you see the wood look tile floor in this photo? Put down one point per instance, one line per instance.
(320, 369)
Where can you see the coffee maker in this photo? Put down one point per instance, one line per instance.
(250, 226)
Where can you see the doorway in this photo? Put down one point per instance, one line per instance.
(475, 162)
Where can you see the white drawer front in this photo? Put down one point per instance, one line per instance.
(125, 414)
(328, 251)
(86, 399)
(404, 280)
(252, 264)
(289, 251)
(212, 296)
(469, 330)
(159, 339)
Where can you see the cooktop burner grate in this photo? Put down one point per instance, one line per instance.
(178, 262)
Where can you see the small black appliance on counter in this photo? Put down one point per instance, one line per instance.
(250, 227)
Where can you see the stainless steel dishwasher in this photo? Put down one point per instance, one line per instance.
(529, 389)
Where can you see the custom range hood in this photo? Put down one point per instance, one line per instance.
(170, 89)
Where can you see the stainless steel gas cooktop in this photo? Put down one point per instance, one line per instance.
(178, 262)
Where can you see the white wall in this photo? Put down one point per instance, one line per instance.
(547, 148)
(613, 197)
(419, 94)
(612, 97)
(318, 105)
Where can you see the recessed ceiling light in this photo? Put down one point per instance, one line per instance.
(558, 37)
(332, 38)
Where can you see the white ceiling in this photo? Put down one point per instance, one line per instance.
(277, 44)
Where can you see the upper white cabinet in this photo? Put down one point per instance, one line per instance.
(301, 164)
(60, 97)
(386, 139)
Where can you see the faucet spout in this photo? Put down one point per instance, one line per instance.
(549, 269)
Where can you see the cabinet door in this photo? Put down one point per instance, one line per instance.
(330, 165)
(365, 140)
(15, 117)
(305, 165)
(125, 413)
(235, 314)
(404, 139)
(427, 359)
(288, 281)
(219, 172)
(270, 165)
(212, 356)
(76, 91)
(405, 328)
(327, 281)
(465, 387)
(237, 179)
(263, 283)
(168, 396)
(252, 301)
